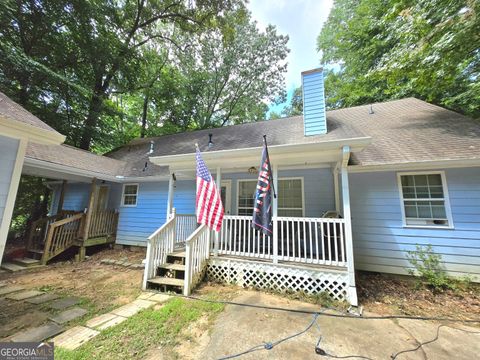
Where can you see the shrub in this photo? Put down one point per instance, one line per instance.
(428, 266)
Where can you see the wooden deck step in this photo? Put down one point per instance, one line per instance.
(178, 254)
(12, 267)
(36, 251)
(167, 281)
(27, 262)
(178, 267)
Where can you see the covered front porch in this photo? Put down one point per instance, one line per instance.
(310, 251)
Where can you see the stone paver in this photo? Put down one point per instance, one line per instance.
(74, 337)
(2, 284)
(64, 303)
(23, 295)
(43, 298)
(38, 333)
(101, 319)
(160, 298)
(145, 295)
(10, 289)
(115, 321)
(133, 308)
(68, 315)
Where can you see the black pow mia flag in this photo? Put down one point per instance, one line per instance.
(262, 210)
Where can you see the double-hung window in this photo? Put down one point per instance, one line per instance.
(425, 199)
(289, 193)
(130, 195)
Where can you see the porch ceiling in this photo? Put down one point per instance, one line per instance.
(312, 154)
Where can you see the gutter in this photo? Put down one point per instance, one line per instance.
(31, 133)
(416, 165)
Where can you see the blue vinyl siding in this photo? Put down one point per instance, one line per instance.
(76, 197)
(8, 156)
(380, 240)
(314, 115)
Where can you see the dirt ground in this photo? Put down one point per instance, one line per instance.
(100, 287)
(386, 295)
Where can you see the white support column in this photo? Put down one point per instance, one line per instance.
(171, 193)
(12, 194)
(336, 187)
(275, 215)
(216, 238)
(352, 290)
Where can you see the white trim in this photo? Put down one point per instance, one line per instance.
(20, 130)
(12, 194)
(445, 199)
(123, 195)
(419, 165)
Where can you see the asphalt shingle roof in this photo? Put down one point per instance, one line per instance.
(402, 131)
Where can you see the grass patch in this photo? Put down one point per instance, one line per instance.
(149, 328)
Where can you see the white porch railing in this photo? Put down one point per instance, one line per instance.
(304, 240)
(160, 244)
(186, 225)
(197, 252)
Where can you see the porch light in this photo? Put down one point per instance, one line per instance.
(210, 142)
(252, 170)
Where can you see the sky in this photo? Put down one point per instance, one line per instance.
(302, 21)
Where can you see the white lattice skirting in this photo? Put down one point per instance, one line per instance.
(279, 277)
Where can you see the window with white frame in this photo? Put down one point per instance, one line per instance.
(289, 192)
(130, 195)
(425, 200)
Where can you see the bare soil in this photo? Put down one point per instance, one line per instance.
(100, 287)
(387, 295)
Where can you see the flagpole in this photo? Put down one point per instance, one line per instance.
(271, 172)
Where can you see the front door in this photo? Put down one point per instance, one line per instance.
(226, 191)
(102, 198)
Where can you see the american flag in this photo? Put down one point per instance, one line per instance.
(209, 202)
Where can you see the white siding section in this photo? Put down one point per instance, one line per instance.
(380, 241)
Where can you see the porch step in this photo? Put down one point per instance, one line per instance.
(177, 267)
(35, 251)
(166, 281)
(12, 267)
(26, 262)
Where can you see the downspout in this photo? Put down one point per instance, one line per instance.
(352, 290)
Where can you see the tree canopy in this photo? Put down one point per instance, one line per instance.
(391, 49)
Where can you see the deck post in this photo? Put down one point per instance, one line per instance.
(216, 238)
(88, 217)
(352, 291)
(171, 194)
(336, 187)
(275, 215)
(62, 197)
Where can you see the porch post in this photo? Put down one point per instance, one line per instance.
(275, 214)
(171, 193)
(88, 216)
(62, 196)
(336, 187)
(352, 290)
(217, 234)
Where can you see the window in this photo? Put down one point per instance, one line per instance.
(130, 194)
(425, 199)
(290, 197)
(289, 192)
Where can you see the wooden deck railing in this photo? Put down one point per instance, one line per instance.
(39, 229)
(304, 240)
(160, 244)
(61, 235)
(103, 223)
(197, 252)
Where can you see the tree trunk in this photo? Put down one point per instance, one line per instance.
(91, 121)
(144, 116)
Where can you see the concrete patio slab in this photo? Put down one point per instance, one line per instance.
(39, 333)
(74, 337)
(24, 295)
(239, 328)
(68, 315)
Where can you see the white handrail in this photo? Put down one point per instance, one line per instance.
(160, 244)
(197, 252)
